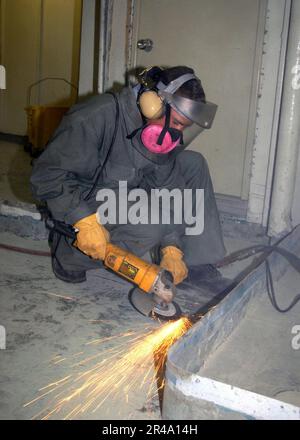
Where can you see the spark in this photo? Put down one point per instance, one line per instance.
(56, 383)
(101, 340)
(124, 368)
(59, 361)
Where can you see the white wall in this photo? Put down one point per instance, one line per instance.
(285, 171)
(296, 199)
(271, 74)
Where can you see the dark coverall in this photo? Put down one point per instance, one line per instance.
(64, 174)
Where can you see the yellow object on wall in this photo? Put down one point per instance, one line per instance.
(42, 121)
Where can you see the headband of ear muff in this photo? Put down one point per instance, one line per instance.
(176, 83)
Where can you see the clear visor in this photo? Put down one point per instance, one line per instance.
(199, 112)
(190, 133)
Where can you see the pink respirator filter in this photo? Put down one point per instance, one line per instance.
(150, 135)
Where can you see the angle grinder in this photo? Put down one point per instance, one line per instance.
(155, 289)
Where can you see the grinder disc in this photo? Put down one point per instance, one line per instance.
(145, 304)
(168, 312)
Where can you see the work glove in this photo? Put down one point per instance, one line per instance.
(172, 260)
(92, 237)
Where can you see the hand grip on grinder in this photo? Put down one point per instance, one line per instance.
(148, 277)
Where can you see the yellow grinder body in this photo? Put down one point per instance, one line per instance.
(131, 267)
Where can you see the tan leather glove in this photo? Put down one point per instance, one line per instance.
(172, 261)
(92, 237)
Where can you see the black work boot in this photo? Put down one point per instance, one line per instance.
(207, 277)
(69, 276)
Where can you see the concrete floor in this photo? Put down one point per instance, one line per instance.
(41, 326)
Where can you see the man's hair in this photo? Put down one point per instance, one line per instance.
(191, 89)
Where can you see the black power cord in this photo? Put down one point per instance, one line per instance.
(271, 292)
(266, 251)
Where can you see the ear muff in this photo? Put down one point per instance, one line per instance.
(151, 105)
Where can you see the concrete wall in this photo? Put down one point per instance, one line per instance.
(285, 171)
(267, 112)
(296, 200)
(39, 38)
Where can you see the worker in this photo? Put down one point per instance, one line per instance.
(139, 137)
